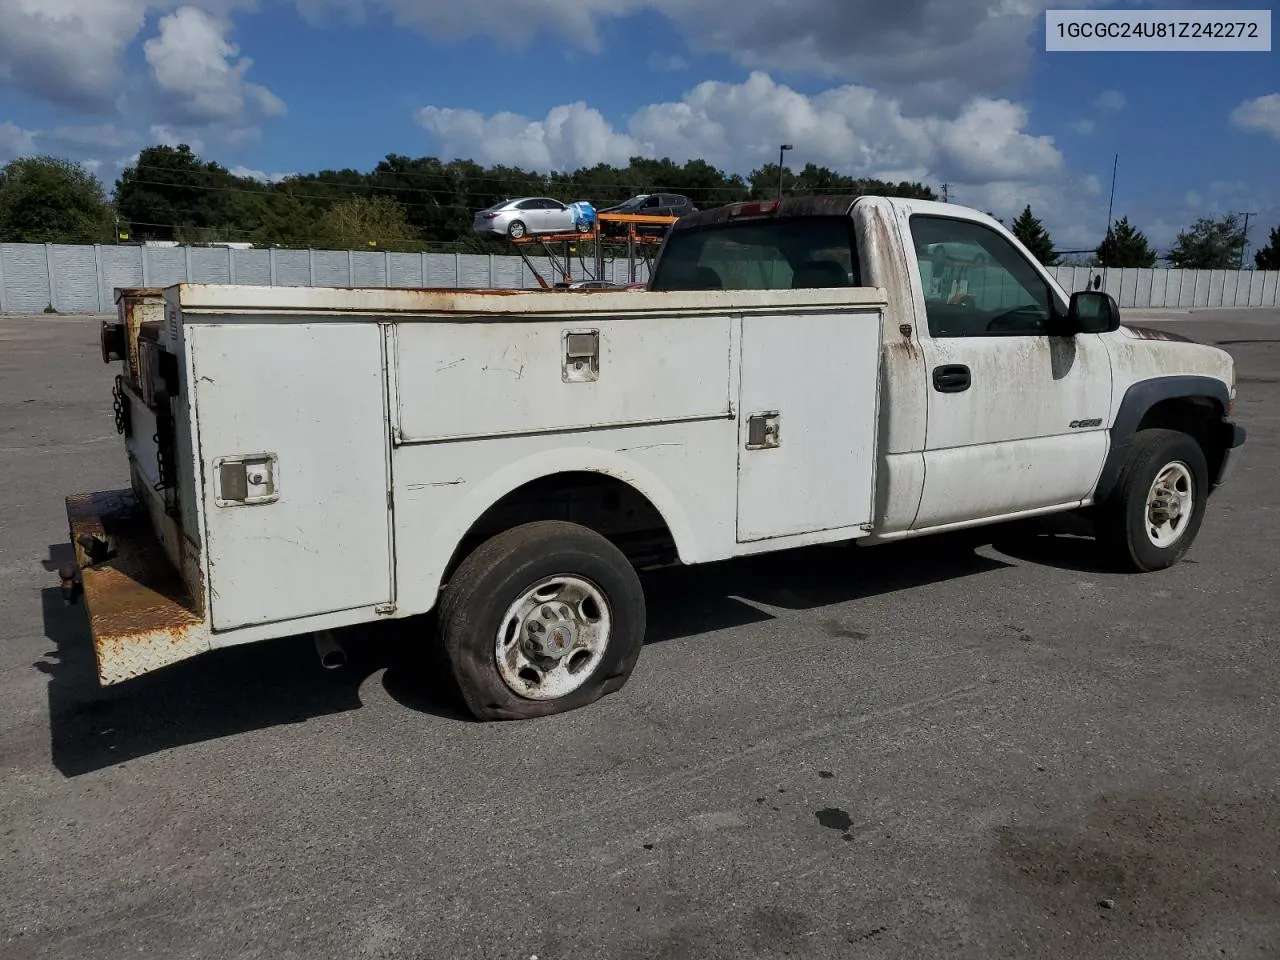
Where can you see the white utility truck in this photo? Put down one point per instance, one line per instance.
(798, 372)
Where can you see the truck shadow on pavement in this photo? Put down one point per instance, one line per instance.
(261, 685)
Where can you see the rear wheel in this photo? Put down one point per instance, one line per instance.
(516, 230)
(1153, 515)
(541, 619)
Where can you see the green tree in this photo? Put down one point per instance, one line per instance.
(814, 180)
(1034, 237)
(1125, 246)
(1210, 244)
(50, 200)
(172, 194)
(170, 191)
(1268, 257)
(281, 218)
(366, 222)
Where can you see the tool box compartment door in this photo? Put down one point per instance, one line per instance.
(809, 400)
(292, 421)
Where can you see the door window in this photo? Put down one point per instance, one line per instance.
(976, 283)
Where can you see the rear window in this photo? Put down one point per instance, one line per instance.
(782, 254)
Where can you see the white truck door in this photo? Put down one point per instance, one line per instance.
(1017, 419)
(292, 421)
(806, 452)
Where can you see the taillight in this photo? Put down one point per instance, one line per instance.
(112, 341)
(755, 208)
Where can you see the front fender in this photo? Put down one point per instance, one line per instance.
(1138, 400)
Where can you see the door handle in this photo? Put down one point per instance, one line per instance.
(951, 378)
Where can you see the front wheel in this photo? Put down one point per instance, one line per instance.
(1151, 518)
(541, 619)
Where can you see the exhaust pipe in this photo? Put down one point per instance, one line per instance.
(330, 652)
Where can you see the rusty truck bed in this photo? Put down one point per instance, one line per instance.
(140, 613)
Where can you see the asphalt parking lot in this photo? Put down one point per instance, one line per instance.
(976, 746)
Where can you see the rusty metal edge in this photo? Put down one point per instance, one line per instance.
(154, 631)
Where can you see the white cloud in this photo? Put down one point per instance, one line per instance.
(570, 136)
(1110, 101)
(984, 151)
(106, 135)
(1085, 127)
(195, 65)
(927, 51)
(1192, 199)
(1261, 114)
(167, 136)
(512, 21)
(68, 51)
(15, 142)
(72, 54)
(738, 126)
(259, 175)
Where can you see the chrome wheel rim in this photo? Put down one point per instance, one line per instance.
(552, 639)
(1170, 503)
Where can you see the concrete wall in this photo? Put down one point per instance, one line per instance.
(82, 279)
(1178, 288)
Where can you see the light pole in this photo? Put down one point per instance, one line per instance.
(781, 152)
(1244, 238)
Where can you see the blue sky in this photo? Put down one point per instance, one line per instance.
(960, 91)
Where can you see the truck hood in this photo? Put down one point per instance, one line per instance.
(1141, 352)
(1150, 333)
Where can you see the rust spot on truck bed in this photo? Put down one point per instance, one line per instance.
(141, 615)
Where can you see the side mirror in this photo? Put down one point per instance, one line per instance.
(1093, 311)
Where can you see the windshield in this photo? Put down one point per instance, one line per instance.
(634, 202)
(784, 254)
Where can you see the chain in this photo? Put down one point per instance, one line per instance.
(120, 405)
(164, 449)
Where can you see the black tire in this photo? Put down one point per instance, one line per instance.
(516, 229)
(1120, 522)
(496, 574)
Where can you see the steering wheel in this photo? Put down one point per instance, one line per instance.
(1018, 320)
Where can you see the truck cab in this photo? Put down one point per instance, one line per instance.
(1003, 395)
(815, 370)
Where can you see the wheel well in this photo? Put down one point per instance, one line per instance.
(1196, 416)
(609, 506)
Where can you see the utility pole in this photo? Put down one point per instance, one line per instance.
(781, 152)
(946, 193)
(1244, 237)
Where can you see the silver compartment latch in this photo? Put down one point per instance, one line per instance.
(248, 480)
(763, 430)
(581, 356)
